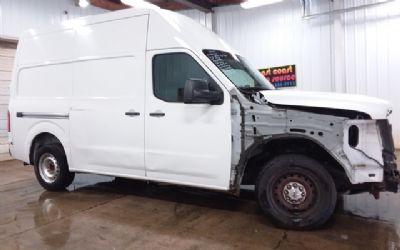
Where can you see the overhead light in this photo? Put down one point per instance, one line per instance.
(83, 3)
(257, 3)
(140, 4)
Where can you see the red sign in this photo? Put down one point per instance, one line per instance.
(284, 76)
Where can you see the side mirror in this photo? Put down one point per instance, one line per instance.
(200, 91)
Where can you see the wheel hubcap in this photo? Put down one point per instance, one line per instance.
(48, 168)
(294, 191)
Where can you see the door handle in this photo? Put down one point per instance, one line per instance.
(157, 114)
(132, 113)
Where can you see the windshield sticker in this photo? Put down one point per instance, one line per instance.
(238, 71)
(220, 59)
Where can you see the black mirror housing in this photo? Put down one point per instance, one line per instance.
(199, 91)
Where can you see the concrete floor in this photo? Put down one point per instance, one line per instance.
(99, 212)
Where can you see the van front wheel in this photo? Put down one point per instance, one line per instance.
(296, 192)
(51, 167)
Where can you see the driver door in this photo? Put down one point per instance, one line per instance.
(184, 143)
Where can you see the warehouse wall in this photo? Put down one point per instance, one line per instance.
(354, 52)
(201, 17)
(276, 35)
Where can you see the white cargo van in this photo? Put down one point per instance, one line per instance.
(150, 94)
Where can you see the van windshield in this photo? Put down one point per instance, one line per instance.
(238, 71)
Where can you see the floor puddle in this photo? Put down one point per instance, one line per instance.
(386, 208)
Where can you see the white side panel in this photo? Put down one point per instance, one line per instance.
(79, 40)
(25, 129)
(103, 138)
(45, 90)
(112, 38)
(52, 81)
(171, 30)
(46, 48)
(93, 77)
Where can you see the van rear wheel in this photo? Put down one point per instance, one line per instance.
(51, 167)
(296, 192)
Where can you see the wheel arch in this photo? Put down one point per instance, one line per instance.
(265, 150)
(46, 132)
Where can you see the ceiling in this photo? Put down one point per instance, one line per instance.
(203, 5)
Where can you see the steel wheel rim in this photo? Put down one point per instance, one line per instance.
(48, 168)
(295, 192)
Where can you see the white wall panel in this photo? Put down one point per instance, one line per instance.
(354, 52)
(199, 16)
(277, 35)
(372, 53)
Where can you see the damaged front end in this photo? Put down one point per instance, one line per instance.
(391, 172)
(361, 145)
(370, 152)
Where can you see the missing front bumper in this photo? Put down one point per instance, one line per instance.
(392, 182)
(391, 172)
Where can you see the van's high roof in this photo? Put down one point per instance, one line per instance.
(148, 29)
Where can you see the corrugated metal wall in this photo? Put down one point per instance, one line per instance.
(277, 35)
(354, 52)
(201, 17)
(372, 54)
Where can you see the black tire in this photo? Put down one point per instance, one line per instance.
(296, 192)
(63, 178)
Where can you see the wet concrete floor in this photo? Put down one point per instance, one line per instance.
(99, 212)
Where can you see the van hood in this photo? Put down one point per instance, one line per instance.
(376, 108)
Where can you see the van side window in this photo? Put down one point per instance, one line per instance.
(170, 72)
